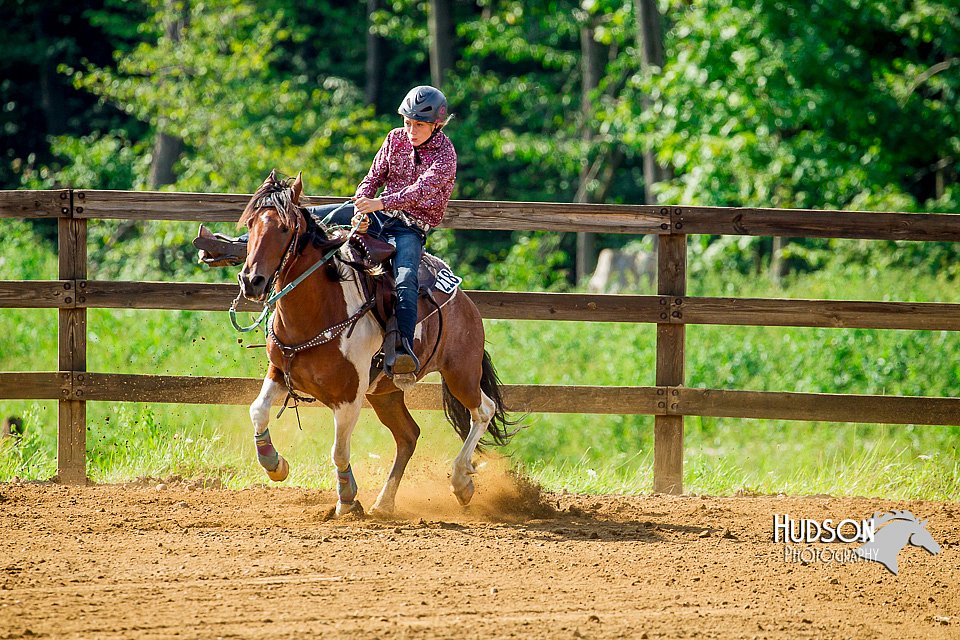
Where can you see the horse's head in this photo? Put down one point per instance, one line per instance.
(274, 221)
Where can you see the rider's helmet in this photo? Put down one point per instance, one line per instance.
(424, 104)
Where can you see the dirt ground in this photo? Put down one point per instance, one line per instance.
(176, 559)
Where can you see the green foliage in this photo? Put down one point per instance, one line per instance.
(843, 105)
(519, 127)
(31, 457)
(853, 106)
(533, 262)
(22, 257)
(757, 105)
(96, 161)
(217, 89)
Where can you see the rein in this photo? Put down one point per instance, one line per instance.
(290, 351)
(272, 300)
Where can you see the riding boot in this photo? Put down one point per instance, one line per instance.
(406, 361)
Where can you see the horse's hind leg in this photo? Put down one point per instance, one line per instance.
(274, 464)
(393, 413)
(466, 390)
(460, 481)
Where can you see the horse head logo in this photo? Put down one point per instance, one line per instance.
(899, 529)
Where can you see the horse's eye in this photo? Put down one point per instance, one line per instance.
(284, 228)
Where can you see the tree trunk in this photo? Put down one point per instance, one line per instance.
(167, 148)
(441, 40)
(650, 42)
(591, 62)
(778, 268)
(50, 99)
(375, 57)
(166, 151)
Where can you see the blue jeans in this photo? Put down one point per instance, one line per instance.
(408, 241)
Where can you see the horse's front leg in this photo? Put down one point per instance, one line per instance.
(345, 418)
(393, 413)
(272, 389)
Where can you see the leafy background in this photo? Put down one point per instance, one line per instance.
(847, 104)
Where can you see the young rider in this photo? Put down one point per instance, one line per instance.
(416, 167)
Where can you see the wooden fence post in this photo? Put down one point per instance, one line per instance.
(72, 350)
(668, 429)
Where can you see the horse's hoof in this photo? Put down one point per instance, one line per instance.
(352, 509)
(465, 493)
(382, 511)
(280, 473)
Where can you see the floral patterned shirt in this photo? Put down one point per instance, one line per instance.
(417, 182)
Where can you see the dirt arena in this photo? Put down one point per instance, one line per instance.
(174, 559)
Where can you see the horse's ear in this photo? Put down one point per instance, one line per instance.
(272, 177)
(297, 188)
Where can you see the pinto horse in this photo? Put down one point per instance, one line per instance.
(327, 315)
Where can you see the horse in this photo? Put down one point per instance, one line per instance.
(322, 338)
(902, 528)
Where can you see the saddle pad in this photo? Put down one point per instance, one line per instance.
(435, 274)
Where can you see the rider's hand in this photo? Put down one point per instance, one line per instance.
(367, 205)
(362, 220)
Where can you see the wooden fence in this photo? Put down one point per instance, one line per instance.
(671, 310)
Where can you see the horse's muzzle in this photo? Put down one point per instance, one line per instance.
(253, 286)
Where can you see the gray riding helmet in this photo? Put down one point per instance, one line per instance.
(424, 104)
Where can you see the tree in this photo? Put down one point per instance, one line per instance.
(167, 147)
(757, 106)
(38, 102)
(652, 58)
(441, 40)
(375, 56)
(237, 116)
(591, 65)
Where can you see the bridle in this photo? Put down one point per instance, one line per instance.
(288, 352)
(288, 252)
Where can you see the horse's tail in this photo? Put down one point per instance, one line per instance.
(459, 415)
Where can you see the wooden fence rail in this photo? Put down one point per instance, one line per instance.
(670, 310)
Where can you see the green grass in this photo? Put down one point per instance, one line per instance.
(580, 453)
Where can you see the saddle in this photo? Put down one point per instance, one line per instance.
(365, 253)
(369, 256)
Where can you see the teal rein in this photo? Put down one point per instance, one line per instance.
(272, 300)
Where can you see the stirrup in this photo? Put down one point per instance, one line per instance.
(406, 361)
(398, 356)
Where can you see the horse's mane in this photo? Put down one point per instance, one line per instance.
(277, 194)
